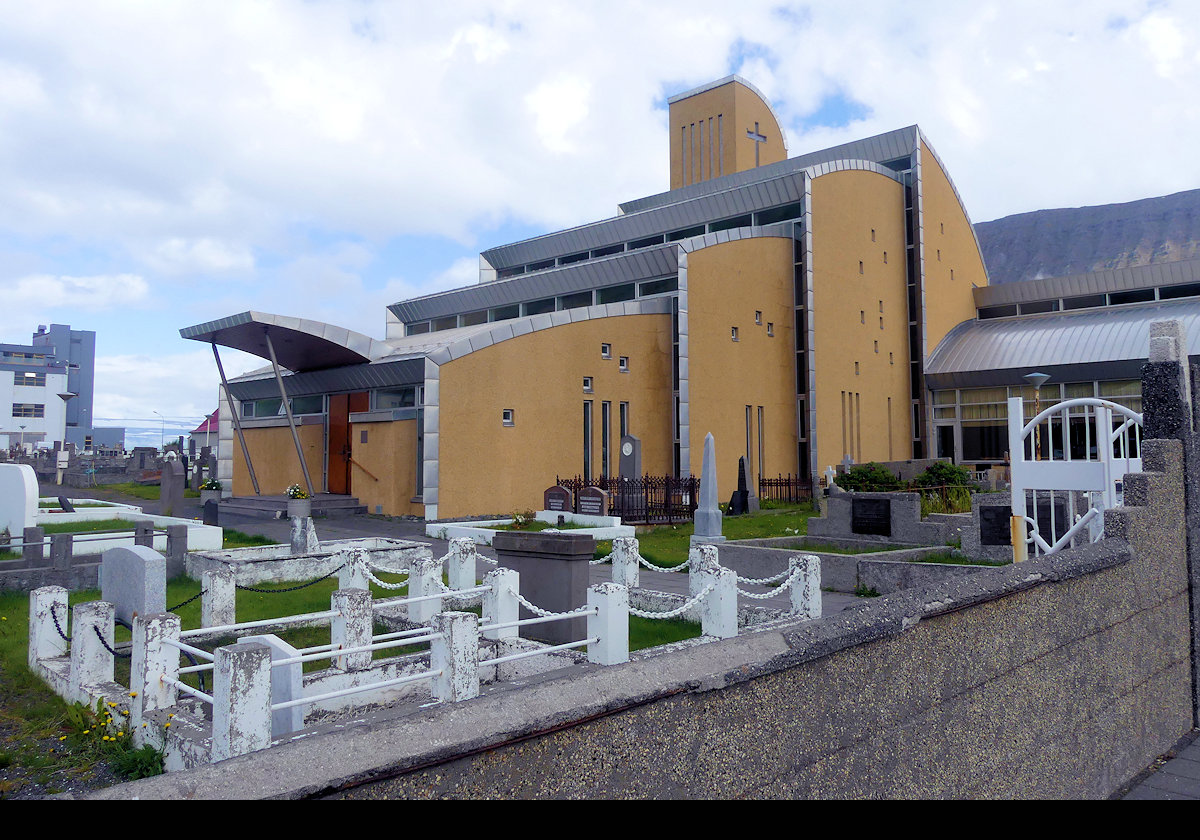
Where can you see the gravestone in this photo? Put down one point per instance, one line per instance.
(871, 516)
(211, 515)
(557, 498)
(995, 525)
(171, 486)
(593, 501)
(630, 465)
(65, 504)
(18, 498)
(708, 514)
(134, 580)
(554, 571)
(192, 448)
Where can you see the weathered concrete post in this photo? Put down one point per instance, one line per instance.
(353, 573)
(353, 627)
(143, 533)
(456, 654)
(425, 580)
(218, 603)
(806, 586)
(554, 570)
(609, 625)
(44, 640)
(33, 549)
(153, 658)
(287, 684)
(718, 609)
(241, 700)
(626, 570)
(460, 563)
(500, 604)
(91, 662)
(701, 558)
(61, 546)
(177, 546)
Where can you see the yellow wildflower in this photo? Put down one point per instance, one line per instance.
(87, 732)
(167, 725)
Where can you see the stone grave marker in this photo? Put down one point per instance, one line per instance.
(134, 580)
(593, 501)
(708, 515)
(994, 525)
(557, 498)
(630, 464)
(171, 485)
(871, 516)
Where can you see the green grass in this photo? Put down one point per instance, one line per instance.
(238, 539)
(89, 525)
(146, 492)
(537, 525)
(42, 503)
(949, 559)
(647, 632)
(829, 548)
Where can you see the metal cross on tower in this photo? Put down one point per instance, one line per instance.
(758, 139)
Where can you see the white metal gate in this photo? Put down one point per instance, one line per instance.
(1109, 437)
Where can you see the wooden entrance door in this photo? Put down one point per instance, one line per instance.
(339, 445)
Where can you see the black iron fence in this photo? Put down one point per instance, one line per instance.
(648, 500)
(784, 488)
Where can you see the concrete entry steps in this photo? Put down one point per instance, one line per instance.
(324, 505)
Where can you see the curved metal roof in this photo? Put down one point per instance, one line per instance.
(300, 344)
(1109, 343)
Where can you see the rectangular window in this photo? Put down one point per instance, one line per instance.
(758, 317)
(624, 419)
(30, 380)
(587, 440)
(508, 417)
(605, 351)
(395, 398)
(575, 301)
(770, 329)
(606, 438)
(623, 364)
(761, 442)
(587, 384)
(733, 333)
(28, 410)
(749, 435)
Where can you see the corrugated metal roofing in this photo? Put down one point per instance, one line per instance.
(646, 264)
(333, 380)
(889, 146)
(1088, 337)
(759, 193)
(1095, 282)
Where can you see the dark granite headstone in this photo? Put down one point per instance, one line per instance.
(557, 498)
(65, 504)
(994, 525)
(593, 501)
(210, 512)
(739, 502)
(630, 464)
(871, 516)
(554, 573)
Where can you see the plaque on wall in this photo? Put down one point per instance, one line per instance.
(557, 498)
(871, 516)
(593, 501)
(994, 527)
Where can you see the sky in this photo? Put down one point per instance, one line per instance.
(163, 164)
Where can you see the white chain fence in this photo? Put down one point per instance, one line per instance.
(675, 613)
(790, 579)
(538, 611)
(372, 567)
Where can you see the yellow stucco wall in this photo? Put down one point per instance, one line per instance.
(727, 285)
(861, 353)
(389, 455)
(735, 109)
(952, 259)
(486, 467)
(274, 457)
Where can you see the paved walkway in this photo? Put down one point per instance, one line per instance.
(1174, 776)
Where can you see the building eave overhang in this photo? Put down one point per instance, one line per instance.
(300, 344)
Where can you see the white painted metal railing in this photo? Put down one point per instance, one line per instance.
(1094, 481)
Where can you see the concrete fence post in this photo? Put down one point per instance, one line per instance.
(143, 533)
(177, 542)
(218, 599)
(241, 700)
(61, 551)
(500, 604)
(455, 653)
(91, 663)
(460, 563)
(153, 658)
(610, 624)
(44, 640)
(425, 578)
(353, 627)
(718, 610)
(353, 574)
(806, 586)
(702, 562)
(626, 570)
(33, 549)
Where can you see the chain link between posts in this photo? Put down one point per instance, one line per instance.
(292, 588)
(57, 626)
(384, 584)
(687, 605)
(795, 573)
(538, 611)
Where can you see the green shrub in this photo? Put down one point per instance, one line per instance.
(944, 474)
(868, 478)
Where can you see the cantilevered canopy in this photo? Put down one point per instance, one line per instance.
(300, 345)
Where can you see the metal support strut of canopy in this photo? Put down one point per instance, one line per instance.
(288, 409)
(237, 425)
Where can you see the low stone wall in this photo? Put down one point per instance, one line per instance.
(903, 524)
(1061, 677)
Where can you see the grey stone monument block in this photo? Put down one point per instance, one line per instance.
(172, 487)
(134, 580)
(630, 463)
(708, 513)
(211, 512)
(554, 571)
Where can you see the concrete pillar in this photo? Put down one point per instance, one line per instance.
(241, 700)
(177, 543)
(152, 659)
(500, 604)
(143, 533)
(701, 559)
(287, 683)
(424, 578)
(91, 663)
(44, 640)
(806, 586)
(460, 563)
(456, 654)
(555, 571)
(61, 550)
(626, 570)
(218, 603)
(610, 624)
(718, 610)
(353, 628)
(33, 549)
(353, 572)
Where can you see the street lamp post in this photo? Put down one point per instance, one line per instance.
(162, 438)
(1037, 380)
